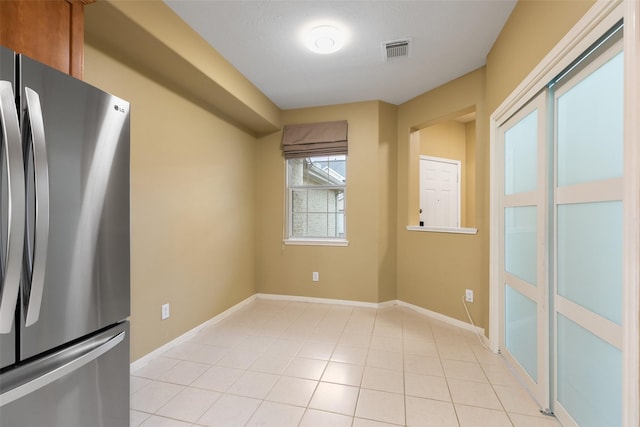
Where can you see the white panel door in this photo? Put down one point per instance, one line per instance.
(439, 192)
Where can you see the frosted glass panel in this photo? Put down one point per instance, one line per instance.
(520, 249)
(521, 330)
(589, 376)
(590, 257)
(520, 155)
(589, 123)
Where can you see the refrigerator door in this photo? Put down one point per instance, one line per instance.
(9, 139)
(80, 282)
(7, 341)
(86, 384)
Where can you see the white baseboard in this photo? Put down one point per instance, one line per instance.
(317, 300)
(441, 317)
(387, 304)
(139, 363)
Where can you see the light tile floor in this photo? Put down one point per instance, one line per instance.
(280, 363)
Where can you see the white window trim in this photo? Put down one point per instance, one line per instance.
(316, 242)
(602, 16)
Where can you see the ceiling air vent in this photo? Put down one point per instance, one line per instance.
(395, 49)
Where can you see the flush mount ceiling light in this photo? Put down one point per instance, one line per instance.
(324, 39)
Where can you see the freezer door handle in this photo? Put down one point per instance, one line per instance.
(60, 366)
(11, 261)
(35, 150)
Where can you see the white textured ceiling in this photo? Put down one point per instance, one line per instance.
(262, 39)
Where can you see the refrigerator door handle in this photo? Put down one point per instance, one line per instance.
(12, 150)
(36, 147)
(63, 368)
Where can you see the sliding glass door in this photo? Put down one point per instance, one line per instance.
(561, 240)
(524, 271)
(588, 234)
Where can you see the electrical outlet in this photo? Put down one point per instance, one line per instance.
(316, 276)
(468, 295)
(165, 311)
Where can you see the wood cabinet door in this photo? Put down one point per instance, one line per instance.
(50, 31)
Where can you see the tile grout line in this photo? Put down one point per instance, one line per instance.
(317, 385)
(493, 388)
(444, 372)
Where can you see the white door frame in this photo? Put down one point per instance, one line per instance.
(602, 16)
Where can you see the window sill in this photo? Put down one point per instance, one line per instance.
(443, 229)
(316, 242)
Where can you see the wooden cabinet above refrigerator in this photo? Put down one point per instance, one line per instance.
(50, 31)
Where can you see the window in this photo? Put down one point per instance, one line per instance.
(316, 156)
(316, 190)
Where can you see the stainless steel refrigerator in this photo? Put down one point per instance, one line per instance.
(64, 250)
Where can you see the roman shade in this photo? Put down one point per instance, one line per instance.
(314, 139)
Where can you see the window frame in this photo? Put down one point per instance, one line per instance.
(289, 239)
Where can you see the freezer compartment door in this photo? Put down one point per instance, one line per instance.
(77, 253)
(86, 384)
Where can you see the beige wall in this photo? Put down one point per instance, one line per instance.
(387, 183)
(193, 203)
(152, 37)
(365, 269)
(208, 199)
(470, 171)
(533, 29)
(445, 139)
(434, 269)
